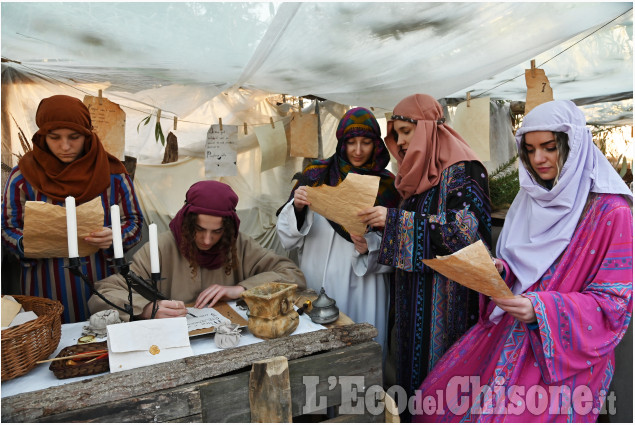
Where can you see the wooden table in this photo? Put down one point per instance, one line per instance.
(215, 387)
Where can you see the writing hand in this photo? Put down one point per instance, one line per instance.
(211, 295)
(165, 309)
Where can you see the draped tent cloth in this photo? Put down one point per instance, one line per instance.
(84, 178)
(210, 198)
(433, 148)
(333, 170)
(540, 222)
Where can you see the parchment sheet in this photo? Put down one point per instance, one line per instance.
(221, 151)
(303, 137)
(538, 89)
(473, 267)
(273, 145)
(342, 203)
(109, 122)
(45, 235)
(472, 123)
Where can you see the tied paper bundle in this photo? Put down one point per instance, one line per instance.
(472, 266)
(342, 202)
(45, 233)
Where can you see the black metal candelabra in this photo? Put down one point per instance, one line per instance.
(147, 289)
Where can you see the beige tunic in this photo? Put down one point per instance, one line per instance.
(256, 265)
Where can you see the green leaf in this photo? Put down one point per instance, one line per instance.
(146, 119)
(161, 135)
(624, 167)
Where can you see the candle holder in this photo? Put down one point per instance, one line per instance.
(148, 290)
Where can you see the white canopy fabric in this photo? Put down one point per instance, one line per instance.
(204, 61)
(352, 53)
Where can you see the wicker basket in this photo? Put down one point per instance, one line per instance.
(25, 344)
(62, 370)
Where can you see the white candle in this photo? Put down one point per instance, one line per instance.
(71, 227)
(154, 249)
(116, 231)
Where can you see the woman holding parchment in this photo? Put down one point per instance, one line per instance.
(344, 263)
(68, 159)
(445, 207)
(566, 251)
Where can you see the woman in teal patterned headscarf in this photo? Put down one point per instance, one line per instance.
(357, 122)
(344, 264)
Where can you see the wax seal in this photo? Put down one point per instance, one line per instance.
(154, 350)
(86, 339)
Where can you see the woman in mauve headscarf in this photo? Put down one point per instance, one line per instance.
(566, 252)
(68, 159)
(203, 258)
(346, 264)
(445, 207)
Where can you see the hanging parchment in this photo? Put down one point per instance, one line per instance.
(472, 123)
(273, 146)
(342, 203)
(473, 267)
(538, 89)
(109, 122)
(304, 136)
(45, 236)
(220, 151)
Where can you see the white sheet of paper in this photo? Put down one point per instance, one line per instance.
(220, 151)
(273, 145)
(205, 318)
(472, 123)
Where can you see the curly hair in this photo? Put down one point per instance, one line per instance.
(226, 244)
(562, 147)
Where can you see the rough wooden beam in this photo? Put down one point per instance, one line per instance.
(270, 391)
(27, 407)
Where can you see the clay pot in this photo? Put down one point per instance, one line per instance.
(271, 313)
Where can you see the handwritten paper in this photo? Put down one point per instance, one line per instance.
(207, 319)
(220, 151)
(273, 145)
(342, 203)
(109, 122)
(473, 267)
(303, 136)
(538, 89)
(472, 123)
(44, 234)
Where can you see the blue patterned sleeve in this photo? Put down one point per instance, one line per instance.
(410, 237)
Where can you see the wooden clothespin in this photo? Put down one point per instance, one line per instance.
(220, 123)
(301, 102)
(533, 68)
(158, 115)
(99, 96)
(372, 108)
(468, 96)
(245, 127)
(176, 120)
(272, 124)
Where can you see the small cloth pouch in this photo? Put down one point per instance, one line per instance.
(227, 335)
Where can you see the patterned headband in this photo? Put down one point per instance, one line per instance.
(410, 120)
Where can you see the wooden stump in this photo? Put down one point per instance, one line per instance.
(270, 391)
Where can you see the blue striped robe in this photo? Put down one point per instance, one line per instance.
(432, 312)
(47, 277)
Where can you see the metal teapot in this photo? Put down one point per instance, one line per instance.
(324, 309)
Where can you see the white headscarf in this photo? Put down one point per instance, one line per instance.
(540, 222)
